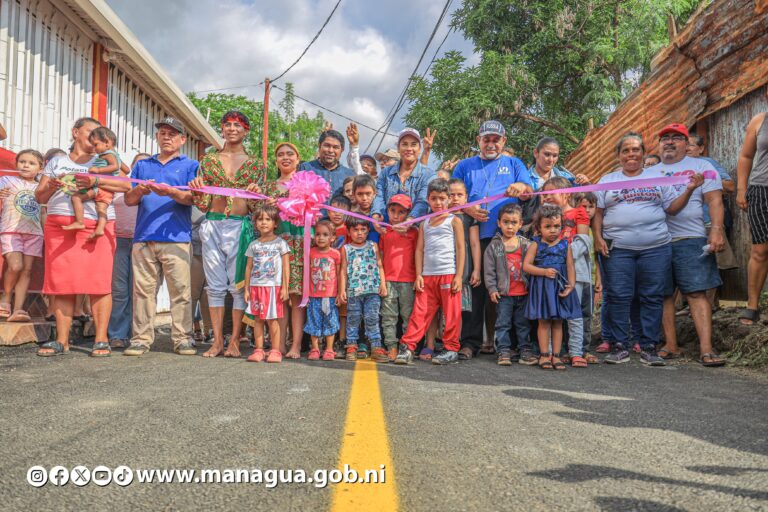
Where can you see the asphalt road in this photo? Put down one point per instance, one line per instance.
(472, 436)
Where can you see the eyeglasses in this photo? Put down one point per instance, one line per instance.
(674, 138)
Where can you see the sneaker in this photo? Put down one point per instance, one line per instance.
(514, 356)
(603, 348)
(118, 343)
(404, 355)
(392, 354)
(380, 355)
(208, 338)
(619, 355)
(136, 349)
(446, 357)
(351, 353)
(362, 351)
(186, 349)
(652, 359)
(528, 358)
(198, 336)
(503, 358)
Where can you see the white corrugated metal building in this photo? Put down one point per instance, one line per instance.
(65, 59)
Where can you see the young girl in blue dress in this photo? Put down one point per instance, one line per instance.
(549, 262)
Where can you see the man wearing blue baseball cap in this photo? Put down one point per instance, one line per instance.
(487, 174)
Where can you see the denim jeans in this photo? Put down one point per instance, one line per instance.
(510, 316)
(587, 309)
(642, 273)
(122, 288)
(364, 308)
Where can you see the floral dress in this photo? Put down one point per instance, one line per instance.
(293, 236)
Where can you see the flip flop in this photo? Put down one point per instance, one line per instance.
(668, 355)
(5, 310)
(19, 316)
(58, 349)
(714, 360)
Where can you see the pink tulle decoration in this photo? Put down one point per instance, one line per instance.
(307, 192)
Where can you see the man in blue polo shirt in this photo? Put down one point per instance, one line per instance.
(161, 241)
(487, 174)
(327, 166)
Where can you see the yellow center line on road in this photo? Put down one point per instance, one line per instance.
(365, 446)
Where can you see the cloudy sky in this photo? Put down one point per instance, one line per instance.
(357, 67)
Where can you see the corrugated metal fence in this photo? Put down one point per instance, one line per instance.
(45, 75)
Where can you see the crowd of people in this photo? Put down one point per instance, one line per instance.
(515, 273)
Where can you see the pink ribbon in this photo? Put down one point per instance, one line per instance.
(307, 195)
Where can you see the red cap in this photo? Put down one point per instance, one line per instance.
(675, 128)
(401, 199)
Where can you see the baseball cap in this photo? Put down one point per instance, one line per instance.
(172, 122)
(675, 128)
(413, 132)
(401, 199)
(492, 128)
(390, 153)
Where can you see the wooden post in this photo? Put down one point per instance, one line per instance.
(265, 132)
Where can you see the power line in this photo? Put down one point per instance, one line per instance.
(310, 43)
(401, 97)
(230, 88)
(332, 111)
(328, 19)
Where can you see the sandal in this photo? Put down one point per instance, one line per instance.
(19, 316)
(711, 360)
(274, 356)
(5, 310)
(314, 355)
(57, 348)
(591, 358)
(603, 348)
(753, 315)
(558, 363)
(101, 346)
(545, 361)
(579, 362)
(426, 354)
(668, 355)
(465, 354)
(257, 356)
(329, 355)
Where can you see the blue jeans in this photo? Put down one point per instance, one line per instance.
(576, 326)
(122, 289)
(510, 314)
(642, 273)
(364, 308)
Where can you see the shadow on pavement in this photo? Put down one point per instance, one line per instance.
(580, 473)
(614, 504)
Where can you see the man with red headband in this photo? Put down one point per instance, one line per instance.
(227, 229)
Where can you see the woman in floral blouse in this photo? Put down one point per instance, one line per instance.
(287, 157)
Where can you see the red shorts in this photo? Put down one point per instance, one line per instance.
(265, 303)
(102, 196)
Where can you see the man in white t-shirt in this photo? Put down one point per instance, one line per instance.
(694, 268)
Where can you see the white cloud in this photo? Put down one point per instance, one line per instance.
(357, 67)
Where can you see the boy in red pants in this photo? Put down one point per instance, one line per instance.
(439, 253)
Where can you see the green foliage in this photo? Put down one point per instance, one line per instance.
(546, 67)
(284, 124)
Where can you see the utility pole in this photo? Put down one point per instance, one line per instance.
(265, 131)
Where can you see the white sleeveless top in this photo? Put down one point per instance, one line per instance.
(439, 248)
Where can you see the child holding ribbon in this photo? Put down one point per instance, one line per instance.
(21, 236)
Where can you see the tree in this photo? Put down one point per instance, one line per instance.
(284, 125)
(546, 67)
